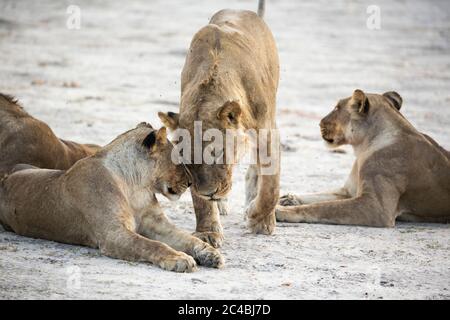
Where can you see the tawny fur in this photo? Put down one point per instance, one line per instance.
(24, 139)
(230, 80)
(399, 173)
(108, 201)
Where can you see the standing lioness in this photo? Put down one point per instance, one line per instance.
(229, 81)
(108, 201)
(398, 173)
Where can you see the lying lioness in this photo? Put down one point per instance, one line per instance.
(108, 201)
(24, 139)
(398, 173)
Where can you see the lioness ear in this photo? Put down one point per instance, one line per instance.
(161, 136)
(395, 98)
(155, 138)
(149, 140)
(230, 111)
(360, 101)
(169, 119)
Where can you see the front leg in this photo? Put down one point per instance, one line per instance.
(364, 210)
(111, 224)
(261, 210)
(122, 243)
(294, 200)
(155, 225)
(374, 206)
(346, 192)
(208, 226)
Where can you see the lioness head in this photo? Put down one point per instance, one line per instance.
(144, 156)
(350, 120)
(211, 181)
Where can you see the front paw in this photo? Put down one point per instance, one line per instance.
(208, 256)
(215, 239)
(289, 200)
(179, 262)
(260, 222)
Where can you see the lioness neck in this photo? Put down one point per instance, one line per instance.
(124, 161)
(381, 131)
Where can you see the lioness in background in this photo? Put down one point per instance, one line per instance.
(24, 139)
(229, 81)
(108, 201)
(399, 173)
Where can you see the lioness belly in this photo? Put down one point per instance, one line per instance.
(427, 205)
(32, 206)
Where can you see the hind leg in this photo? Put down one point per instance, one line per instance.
(222, 205)
(261, 210)
(251, 184)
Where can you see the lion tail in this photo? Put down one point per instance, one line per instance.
(261, 8)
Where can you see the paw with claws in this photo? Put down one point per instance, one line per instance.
(207, 256)
(179, 262)
(289, 200)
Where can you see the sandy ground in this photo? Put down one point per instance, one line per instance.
(124, 65)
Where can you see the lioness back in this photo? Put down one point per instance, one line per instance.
(25, 139)
(254, 48)
(238, 48)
